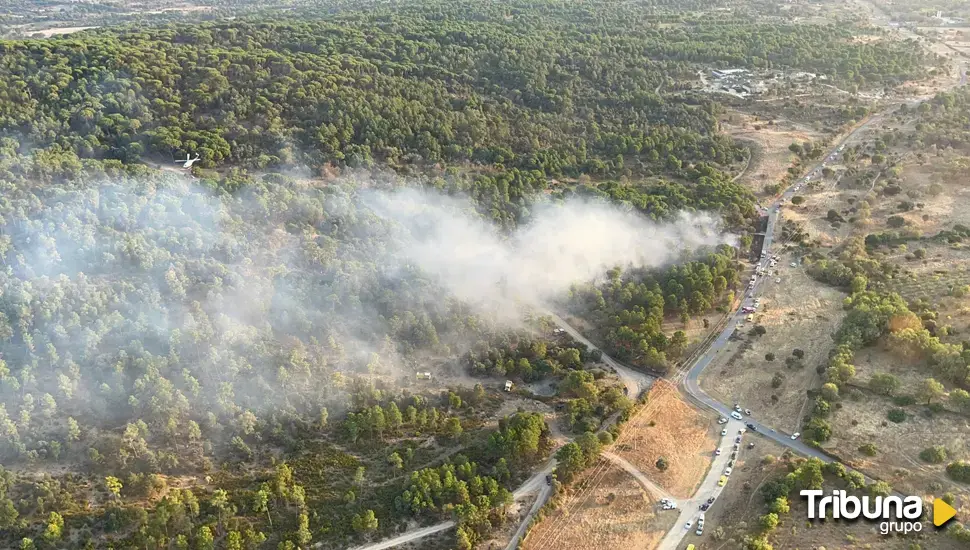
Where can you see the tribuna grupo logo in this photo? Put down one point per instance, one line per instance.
(895, 514)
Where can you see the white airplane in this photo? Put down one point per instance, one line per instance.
(188, 162)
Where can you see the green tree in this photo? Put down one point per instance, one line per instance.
(303, 535)
(930, 390)
(769, 522)
(114, 486)
(55, 528)
(366, 522)
(884, 383)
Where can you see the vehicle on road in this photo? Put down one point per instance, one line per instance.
(795, 435)
(689, 524)
(728, 471)
(747, 412)
(710, 500)
(717, 452)
(705, 506)
(548, 479)
(736, 415)
(751, 427)
(722, 481)
(723, 432)
(738, 439)
(722, 420)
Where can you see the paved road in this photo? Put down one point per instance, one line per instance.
(690, 508)
(637, 382)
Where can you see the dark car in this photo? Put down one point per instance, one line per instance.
(710, 500)
(548, 479)
(705, 506)
(752, 427)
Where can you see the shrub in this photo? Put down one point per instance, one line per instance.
(959, 471)
(934, 455)
(769, 356)
(896, 222)
(904, 400)
(868, 449)
(897, 415)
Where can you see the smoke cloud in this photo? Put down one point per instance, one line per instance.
(564, 243)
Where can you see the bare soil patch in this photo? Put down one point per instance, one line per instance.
(864, 420)
(676, 431)
(798, 312)
(771, 156)
(604, 512)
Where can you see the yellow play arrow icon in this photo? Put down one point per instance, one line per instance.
(942, 512)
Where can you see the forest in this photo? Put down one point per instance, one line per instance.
(227, 358)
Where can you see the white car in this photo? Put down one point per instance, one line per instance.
(778, 279)
(736, 415)
(717, 452)
(722, 420)
(793, 264)
(728, 471)
(795, 435)
(723, 432)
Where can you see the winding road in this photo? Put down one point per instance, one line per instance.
(638, 382)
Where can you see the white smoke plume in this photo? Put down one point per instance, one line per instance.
(564, 244)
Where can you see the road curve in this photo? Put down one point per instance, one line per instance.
(636, 382)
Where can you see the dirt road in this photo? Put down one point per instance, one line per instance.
(408, 537)
(636, 382)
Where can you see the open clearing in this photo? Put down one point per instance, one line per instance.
(864, 420)
(676, 431)
(605, 512)
(770, 154)
(798, 313)
(739, 507)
